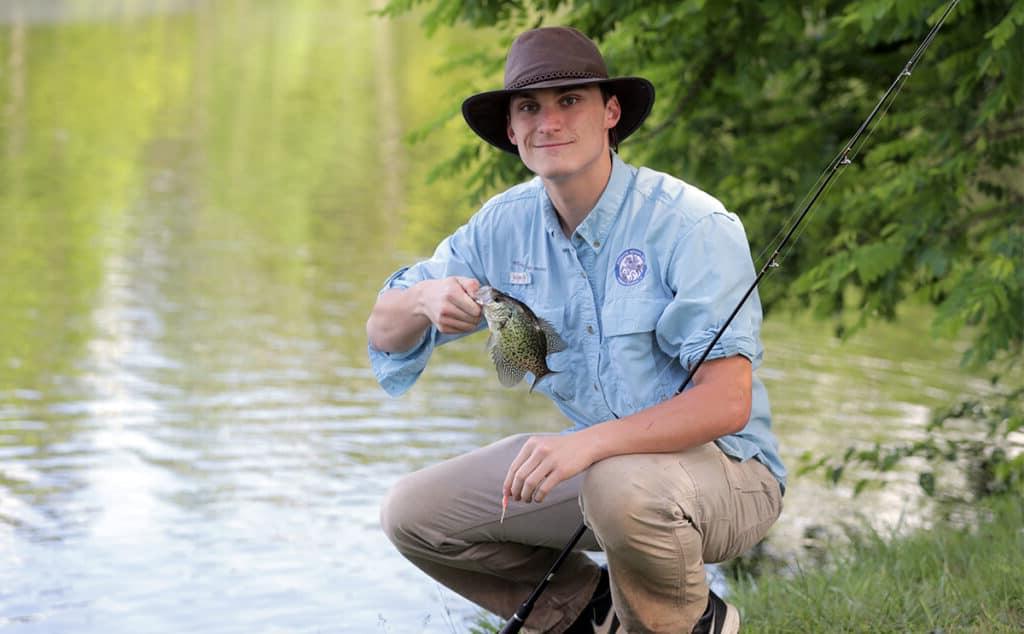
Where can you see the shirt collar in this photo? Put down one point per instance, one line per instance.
(598, 224)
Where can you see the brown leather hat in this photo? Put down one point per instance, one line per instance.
(549, 57)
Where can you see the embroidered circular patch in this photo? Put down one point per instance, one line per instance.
(630, 267)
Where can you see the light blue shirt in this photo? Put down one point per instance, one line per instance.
(637, 292)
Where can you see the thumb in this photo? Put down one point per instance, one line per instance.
(468, 284)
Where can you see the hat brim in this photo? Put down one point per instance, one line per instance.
(487, 112)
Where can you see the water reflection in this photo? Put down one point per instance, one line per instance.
(191, 235)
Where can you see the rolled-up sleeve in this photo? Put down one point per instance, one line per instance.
(455, 256)
(709, 272)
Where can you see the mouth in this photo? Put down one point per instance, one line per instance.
(484, 295)
(543, 146)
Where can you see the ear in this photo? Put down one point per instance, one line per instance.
(612, 112)
(509, 131)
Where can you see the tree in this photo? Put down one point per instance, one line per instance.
(755, 99)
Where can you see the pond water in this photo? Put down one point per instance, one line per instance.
(198, 202)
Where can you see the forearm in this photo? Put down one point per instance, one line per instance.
(397, 321)
(718, 404)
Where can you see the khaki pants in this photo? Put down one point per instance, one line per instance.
(658, 517)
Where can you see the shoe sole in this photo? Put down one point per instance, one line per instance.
(731, 624)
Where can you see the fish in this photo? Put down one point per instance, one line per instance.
(519, 340)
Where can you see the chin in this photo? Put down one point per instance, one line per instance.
(551, 170)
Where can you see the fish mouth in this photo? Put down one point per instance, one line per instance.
(484, 295)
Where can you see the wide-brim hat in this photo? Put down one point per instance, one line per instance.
(550, 57)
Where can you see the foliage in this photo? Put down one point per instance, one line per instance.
(988, 467)
(963, 578)
(946, 579)
(756, 98)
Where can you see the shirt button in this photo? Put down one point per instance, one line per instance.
(595, 387)
(597, 243)
(583, 274)
(590, 330)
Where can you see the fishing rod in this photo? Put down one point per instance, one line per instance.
(844, 158)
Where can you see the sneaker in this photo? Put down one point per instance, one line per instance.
(610, 624)
(599, 616)
(719, 617)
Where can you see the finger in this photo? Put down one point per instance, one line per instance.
(466, 303)
(530, 475)
(520, 492)
(450, 322)
(456, 317)
(440, 305)
(551, 481)
(534, 481)
(469, 284)
(458, 313)
(506, 486)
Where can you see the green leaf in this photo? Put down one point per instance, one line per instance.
(927, 482)
(1002, 32)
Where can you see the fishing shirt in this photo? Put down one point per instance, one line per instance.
(638, 291)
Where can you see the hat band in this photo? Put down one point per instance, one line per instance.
(529, 81)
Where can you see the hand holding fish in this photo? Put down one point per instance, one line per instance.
(543, 462)
(448, 303)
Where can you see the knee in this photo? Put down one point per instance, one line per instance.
(612, 504)
(402, 513)
(624, 510)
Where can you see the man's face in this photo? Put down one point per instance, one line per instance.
(561, 132)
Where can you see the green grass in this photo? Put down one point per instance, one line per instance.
(938, 581)
(942, 580)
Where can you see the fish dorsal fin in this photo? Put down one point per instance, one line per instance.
(555, 343)
(508, 375)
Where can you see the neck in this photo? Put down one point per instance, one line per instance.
(575, 197)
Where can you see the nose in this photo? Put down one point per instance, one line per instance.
(550, 120)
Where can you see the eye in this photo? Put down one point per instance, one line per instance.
(570, 100)
(527, 106)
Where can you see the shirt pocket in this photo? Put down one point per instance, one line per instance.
(634, 359)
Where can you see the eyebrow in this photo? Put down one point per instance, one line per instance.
(530, 94)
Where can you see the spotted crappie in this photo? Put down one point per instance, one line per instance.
(520, 341)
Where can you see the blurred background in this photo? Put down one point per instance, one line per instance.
(198, 204)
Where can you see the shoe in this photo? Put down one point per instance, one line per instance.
(599, 616)
(610, 624)
(719, 617)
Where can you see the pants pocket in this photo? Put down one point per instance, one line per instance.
(755, 504)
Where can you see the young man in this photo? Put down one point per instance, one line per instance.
(637, 271)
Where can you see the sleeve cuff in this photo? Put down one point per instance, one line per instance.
(397, 371)
(728, 346)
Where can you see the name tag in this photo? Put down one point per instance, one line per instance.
(519, 278)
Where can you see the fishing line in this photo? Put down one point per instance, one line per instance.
(793, 223)
(852, 148)
(844, 158)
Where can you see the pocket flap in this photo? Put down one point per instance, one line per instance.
(554, 316)
(626, 317)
